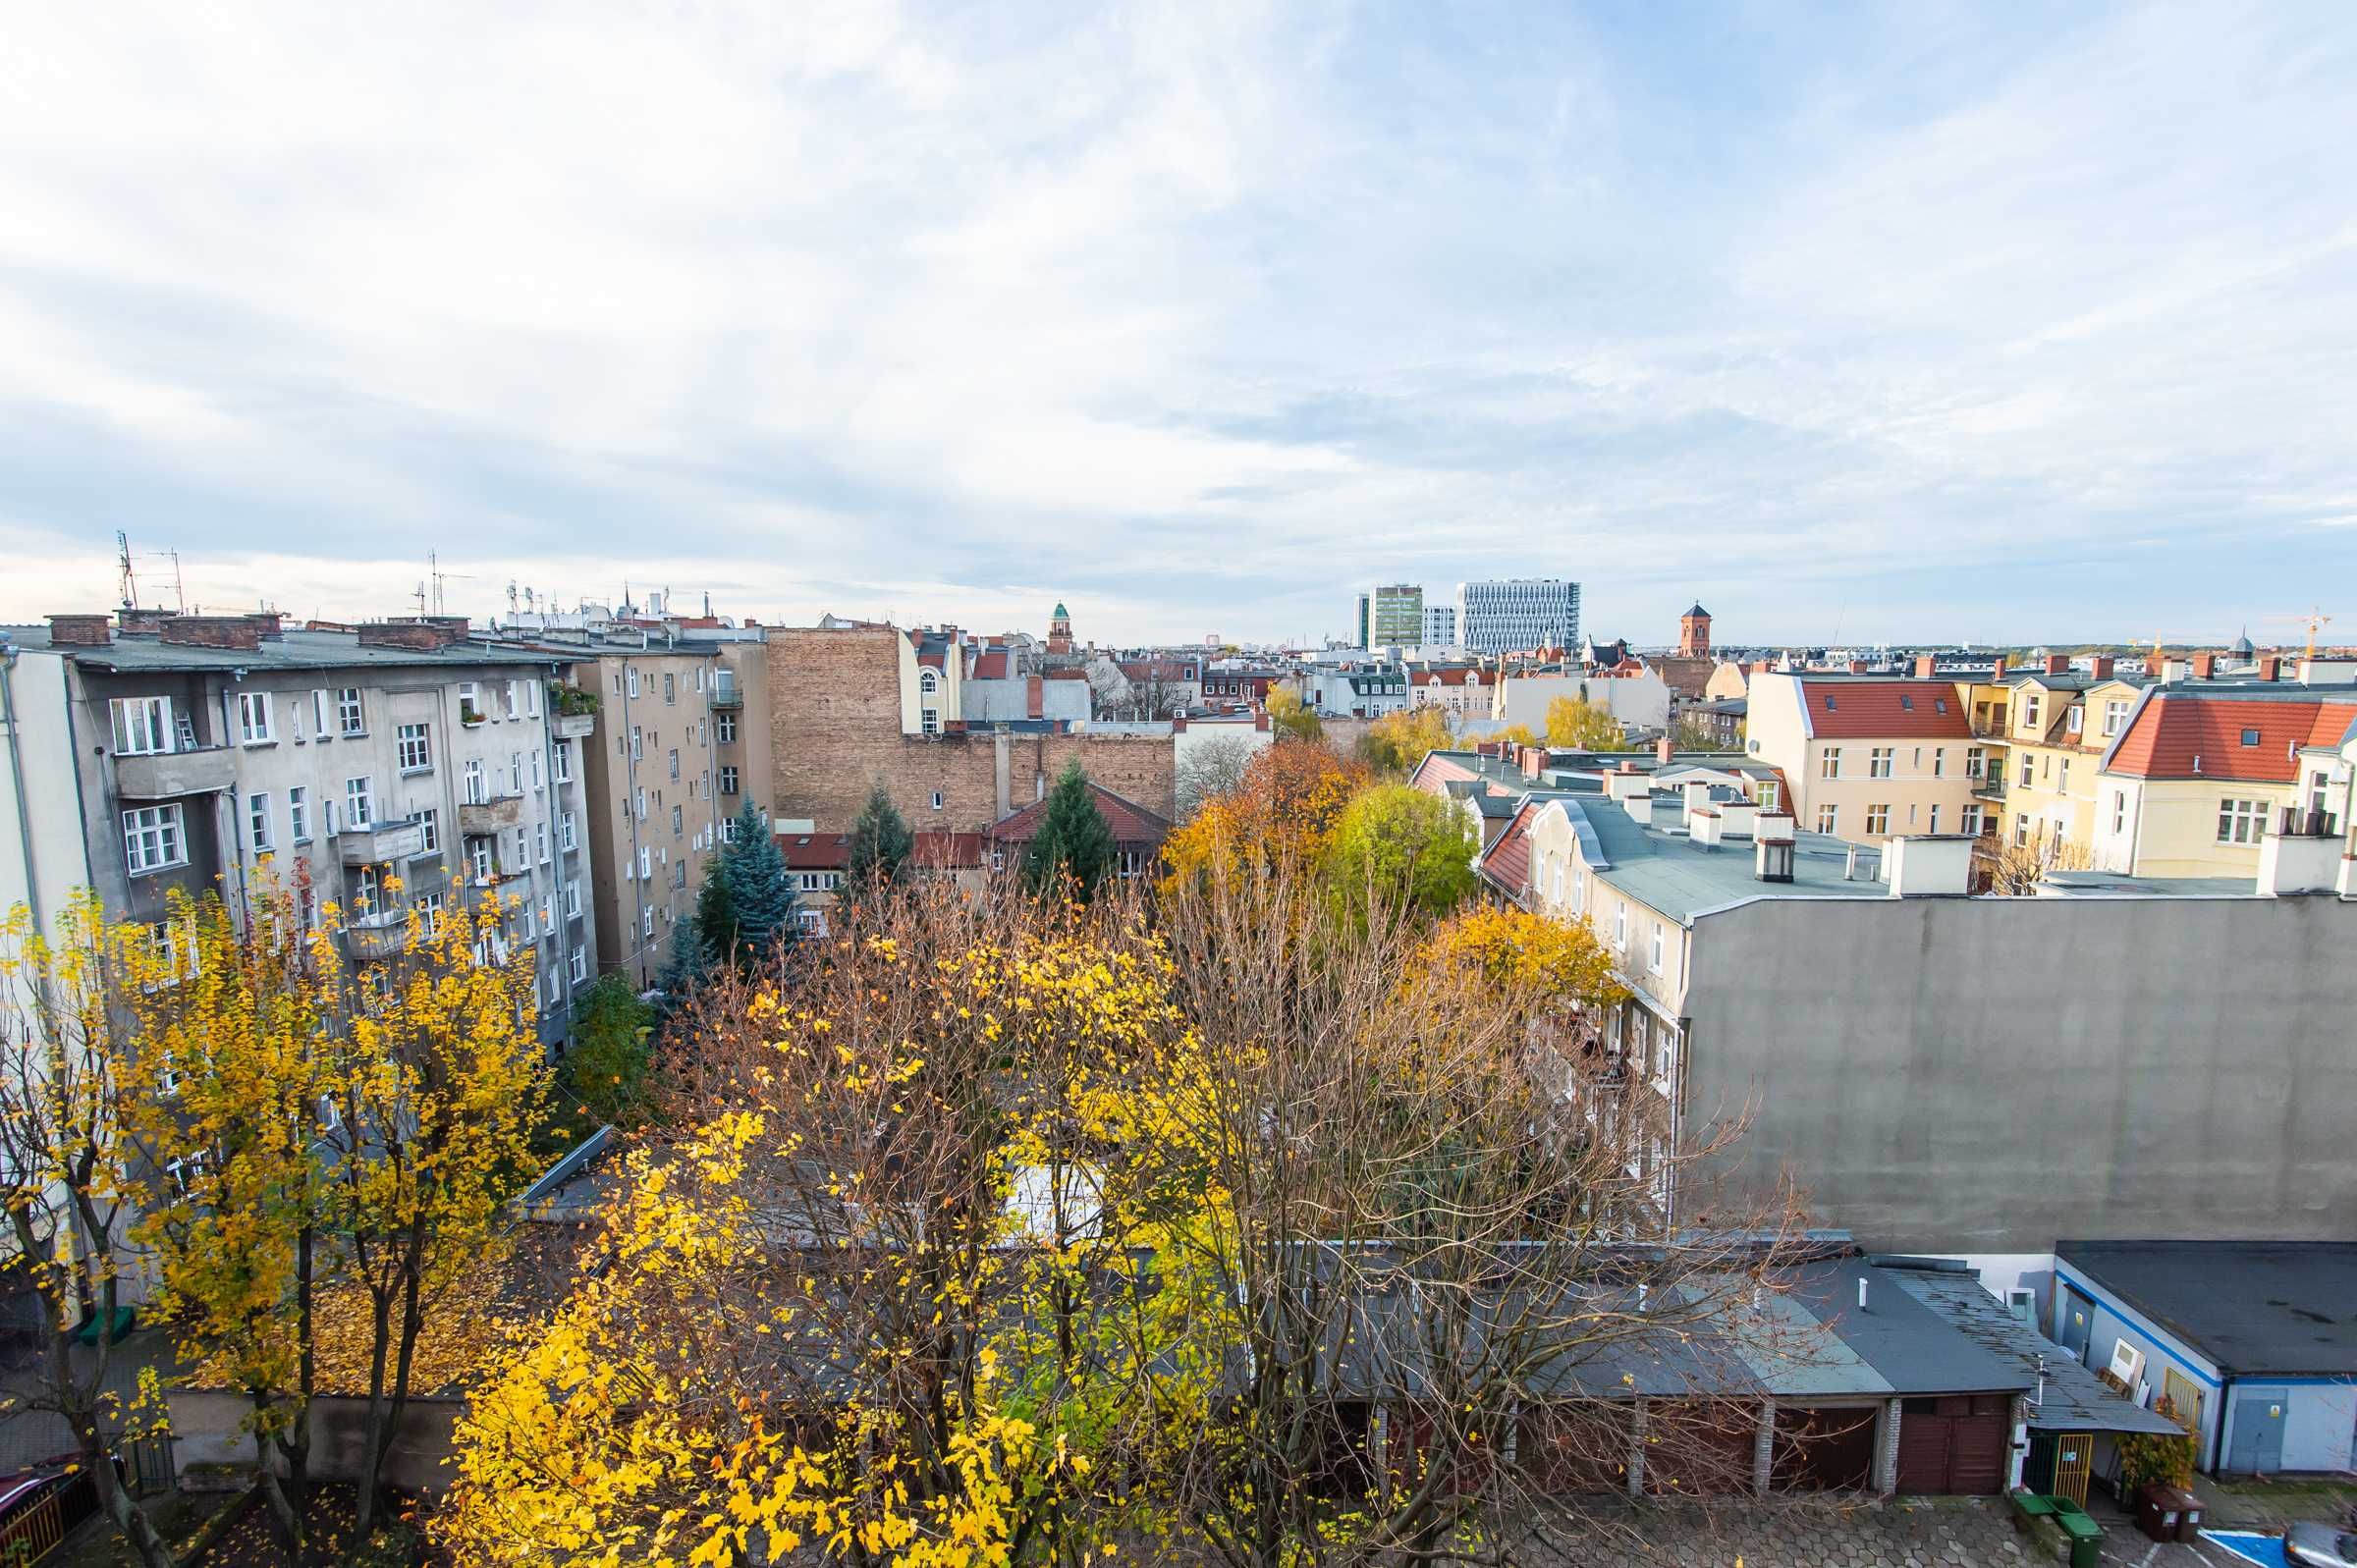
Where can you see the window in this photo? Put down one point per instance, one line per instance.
(638, 744)
(641, 803)
(2075, 720)
(1878, 821)
(350, 717)
(541, 841)
(646, 923)
(724, 728)
(727, 779)
(928, 682)
(531, 699)
(1935, 824)
(1620, 926)
(152, 838)
(414, 748)
(363, 890)
(728, 830)
(1768, 794)
(998, 860)
(670, 687)
(358, 810)
(429, 823)
(2029, 710)
(1906, 703)
(333, 809)
(930, 721)
(298, 815)
(1972, 822)
(319, 712)
(515, 772)
(2120, 811)
(1829, 819)
(1655, 957)
(143, 726)
(523, 850)
(1878, 762)
(678, 822)
(1939, 762)
(564, 762)
(548, 914)
(646, 863)
(2116, 714)
(1830, 767)
(257, 821)
(565, 831)
(482, 860)
(2241, 821)
(936, 800)
(472, 788)
(2062, 776)
(514, 699)
(579, 968)
(254, 718)
(172, 944)
(2021, 831)
(675, 763)
(2250, 737)
(538, 782)
(429, 911)
(2027, 762)
(1975, 761)
(634, 681)
(573, 900)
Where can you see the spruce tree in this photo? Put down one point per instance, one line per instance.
(881, 842)
(759, 893)
(1073, 839)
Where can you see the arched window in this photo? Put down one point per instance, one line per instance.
(929, 682)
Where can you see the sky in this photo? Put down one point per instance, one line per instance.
(1908, 322)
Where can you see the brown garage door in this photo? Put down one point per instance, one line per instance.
(1823, 1448)
(1952, 1444)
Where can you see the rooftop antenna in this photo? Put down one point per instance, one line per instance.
(129, 585)
(511, 598)
(179, 593)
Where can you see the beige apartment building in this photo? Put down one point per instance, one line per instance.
(2058, 724)
(1867, 757)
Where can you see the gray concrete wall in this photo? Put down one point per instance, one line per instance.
(1993, 1075)
(207, 1430)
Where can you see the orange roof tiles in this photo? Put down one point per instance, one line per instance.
(2176, 727)
(1131, 823)
(1860, 710)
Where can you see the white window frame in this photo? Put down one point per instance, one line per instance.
(2241, 821)
(565, 832)
(359, 804)
(321, 706)
(1880, 761)
(142, 727)
(298, 814)
(429, 823)
(1829, 765)
(154, 839)
(351, 712)
(413, 747)
(254, 725)
(258, 822)
(1829, 819)
(1878, 820)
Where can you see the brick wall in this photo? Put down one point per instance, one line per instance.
(835, 725)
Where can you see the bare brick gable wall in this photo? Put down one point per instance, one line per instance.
(835, 724)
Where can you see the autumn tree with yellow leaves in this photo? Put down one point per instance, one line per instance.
(1282, 812)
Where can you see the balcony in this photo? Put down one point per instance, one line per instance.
(380, 842)
(167, 775)
(726, 698)
(1992, 788)
(488, 817)
(372, 939)
(573, 726)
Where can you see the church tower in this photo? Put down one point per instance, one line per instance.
(1695, 633)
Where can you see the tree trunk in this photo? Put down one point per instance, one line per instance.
(372, 1458)
(380, 1433)
(128, 1516)
(282, 1509)
(297, 1444)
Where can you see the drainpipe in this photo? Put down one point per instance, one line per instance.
(16, 773)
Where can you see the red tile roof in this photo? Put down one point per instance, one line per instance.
(1131, 823)
(2175, 728)
(815, 851)
(1506, 863)
(1861, 710)
(942, 849)
(991, 665)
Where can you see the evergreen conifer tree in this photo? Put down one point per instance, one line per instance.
(761, 899)
(1073, 839)
(881, 842)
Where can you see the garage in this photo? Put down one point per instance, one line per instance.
(1952, 1444)
(1823, 1447)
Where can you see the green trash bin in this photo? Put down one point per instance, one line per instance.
(2086, 1536)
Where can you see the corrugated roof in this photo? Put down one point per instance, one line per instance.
(2251, 733)
(1858, 709)
(2075, 1399)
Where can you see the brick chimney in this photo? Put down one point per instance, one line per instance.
(1664, 749)
(1034, 700)
(418, 637)
(212, 631)
(268, 623)
(2101, 667)
(1997, 671)
(1857, 667)
(2057, 664)
(2156, 664)
(2270, 667)
(1762, 667)
(1926, 668)
(142, 620)
(2205, 665)
(79, 631)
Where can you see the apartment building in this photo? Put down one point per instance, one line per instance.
(1948, 1073)
(1394, 615)
(1868, 757)
(392, 767)
(1634, 695)
(1462, 691)
(2201, 774)
(1513, 615)
(2059, 720)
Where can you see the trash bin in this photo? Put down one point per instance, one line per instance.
(2161, 1512)
(2189, 1519)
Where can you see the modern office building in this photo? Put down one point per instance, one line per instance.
(1512, 614)
(1396, 616)
(1440, 626)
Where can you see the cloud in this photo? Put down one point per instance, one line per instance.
(1193, 314)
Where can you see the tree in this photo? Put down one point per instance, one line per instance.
(1399, 741)
(1210, 767)
(760, 898)
(1519, 736)
(1695, 734)
(1283, 810)
(1579, 725)
(1073, 841)
(703, 940)
(606, 1065)
(70, 1174)
(881, 842)
(2016, 869)
(1290, 717)
(1398, 845)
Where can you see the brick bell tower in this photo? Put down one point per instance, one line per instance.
(1060, 630)
(1695, 633)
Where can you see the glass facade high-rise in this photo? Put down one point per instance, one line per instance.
(1396, 616)
(1506, 614)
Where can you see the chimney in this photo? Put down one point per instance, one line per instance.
(1772, 858)
(2270, 667)
(2203, 666)
(79, 631)
(1997, 670)
(1926, 668)
(1034, 698)
(2101, 667)
(1664, 749)
(268, 623)
(1697, 793)
(2156, 664)
(1857, 667)
(2057, 664)
(418, 637)
(141, 620)
(1534, 761)
(212, 631)
(1736, 818)
(1640, 809)
(1625, 784)
(2294, 860)
(1774, 826)
(1703, 826)
(1763, 667)
(1929, 868)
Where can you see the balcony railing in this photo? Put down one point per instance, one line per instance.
(491, 815)
(167, 775)
(726, 695)
(381, 843)
(574, 725)
(374, 937)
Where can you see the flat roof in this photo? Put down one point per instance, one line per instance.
(2254, 1308)
(290, 649)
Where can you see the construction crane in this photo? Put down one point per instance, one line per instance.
(2316, 621)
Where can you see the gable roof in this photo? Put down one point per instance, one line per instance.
(1853, 709)
(2173, 729)
(1131, 823)
(815, 851)
(941, 849)
(991, 665)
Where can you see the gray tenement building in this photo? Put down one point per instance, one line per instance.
(1510, 614)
